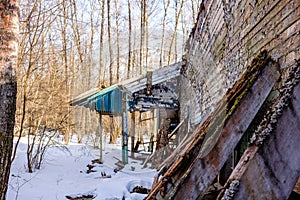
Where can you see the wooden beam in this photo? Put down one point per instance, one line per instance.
(211, 159)
(132, 132)
(124, 129)
(271, 169)
(194, 171)
(100, 137)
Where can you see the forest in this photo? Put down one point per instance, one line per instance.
(69, 47)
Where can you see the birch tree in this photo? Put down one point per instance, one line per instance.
(9, 34)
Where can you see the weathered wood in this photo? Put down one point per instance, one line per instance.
(190, 175)
(271, 169)
(204, 170)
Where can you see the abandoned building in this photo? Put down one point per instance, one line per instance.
(241, 93)
(238, 95)
(155, 91)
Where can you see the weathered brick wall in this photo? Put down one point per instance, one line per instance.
(229, 34)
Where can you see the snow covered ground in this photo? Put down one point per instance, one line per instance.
(64, 173)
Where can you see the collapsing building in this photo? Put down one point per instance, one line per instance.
(240, 92)
(239, 100)
(157, 90)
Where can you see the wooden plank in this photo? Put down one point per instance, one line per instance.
(270, 171)
(204, 170)
(190, 175)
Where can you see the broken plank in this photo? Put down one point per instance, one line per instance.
(271, 170)
(199, 170)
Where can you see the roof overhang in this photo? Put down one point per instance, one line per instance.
(89, 98)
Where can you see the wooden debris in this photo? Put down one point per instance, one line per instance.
(98, 161)
(270, 167)
(82, 197)
(140, 189)
(194, 170)
(90, 169)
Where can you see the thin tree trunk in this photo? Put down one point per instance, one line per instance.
(118, 40)
(177, 15)
(134, 56)
(166, 8)
(129, 40)
(109, 44)
(101, 81)
(193, 10)
(112, 140)
(146, 41)
(91, 46)
(9, 26)
(65, 59)
(143, 13)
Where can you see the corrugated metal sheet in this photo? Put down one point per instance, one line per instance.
(110, 102)
(106, 101)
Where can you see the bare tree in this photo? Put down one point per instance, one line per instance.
(101, 65)
(109, 44)
(166, 8)
(9, 33)
(174, 36)
(118, 38)
(129, 40)
(143, 33)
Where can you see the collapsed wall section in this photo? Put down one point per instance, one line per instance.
(227, 37)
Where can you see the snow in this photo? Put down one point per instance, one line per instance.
(64, 172)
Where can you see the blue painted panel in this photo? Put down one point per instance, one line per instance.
(110, 102)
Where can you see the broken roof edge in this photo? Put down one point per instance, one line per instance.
(92, 94)
(158, 76)
(130, 85)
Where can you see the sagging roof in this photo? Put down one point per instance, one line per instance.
(158, 76)
(109, 100)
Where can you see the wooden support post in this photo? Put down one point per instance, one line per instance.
(155, 127)
(132, 132)
(149, 82)
(124, 129)
(100, 135)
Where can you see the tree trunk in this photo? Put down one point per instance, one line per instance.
(129, 40)
(118, 39)
(9, 33)
(173, 39)
(143, 19)
(109, 44)
(166, 8)
(101, 81)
